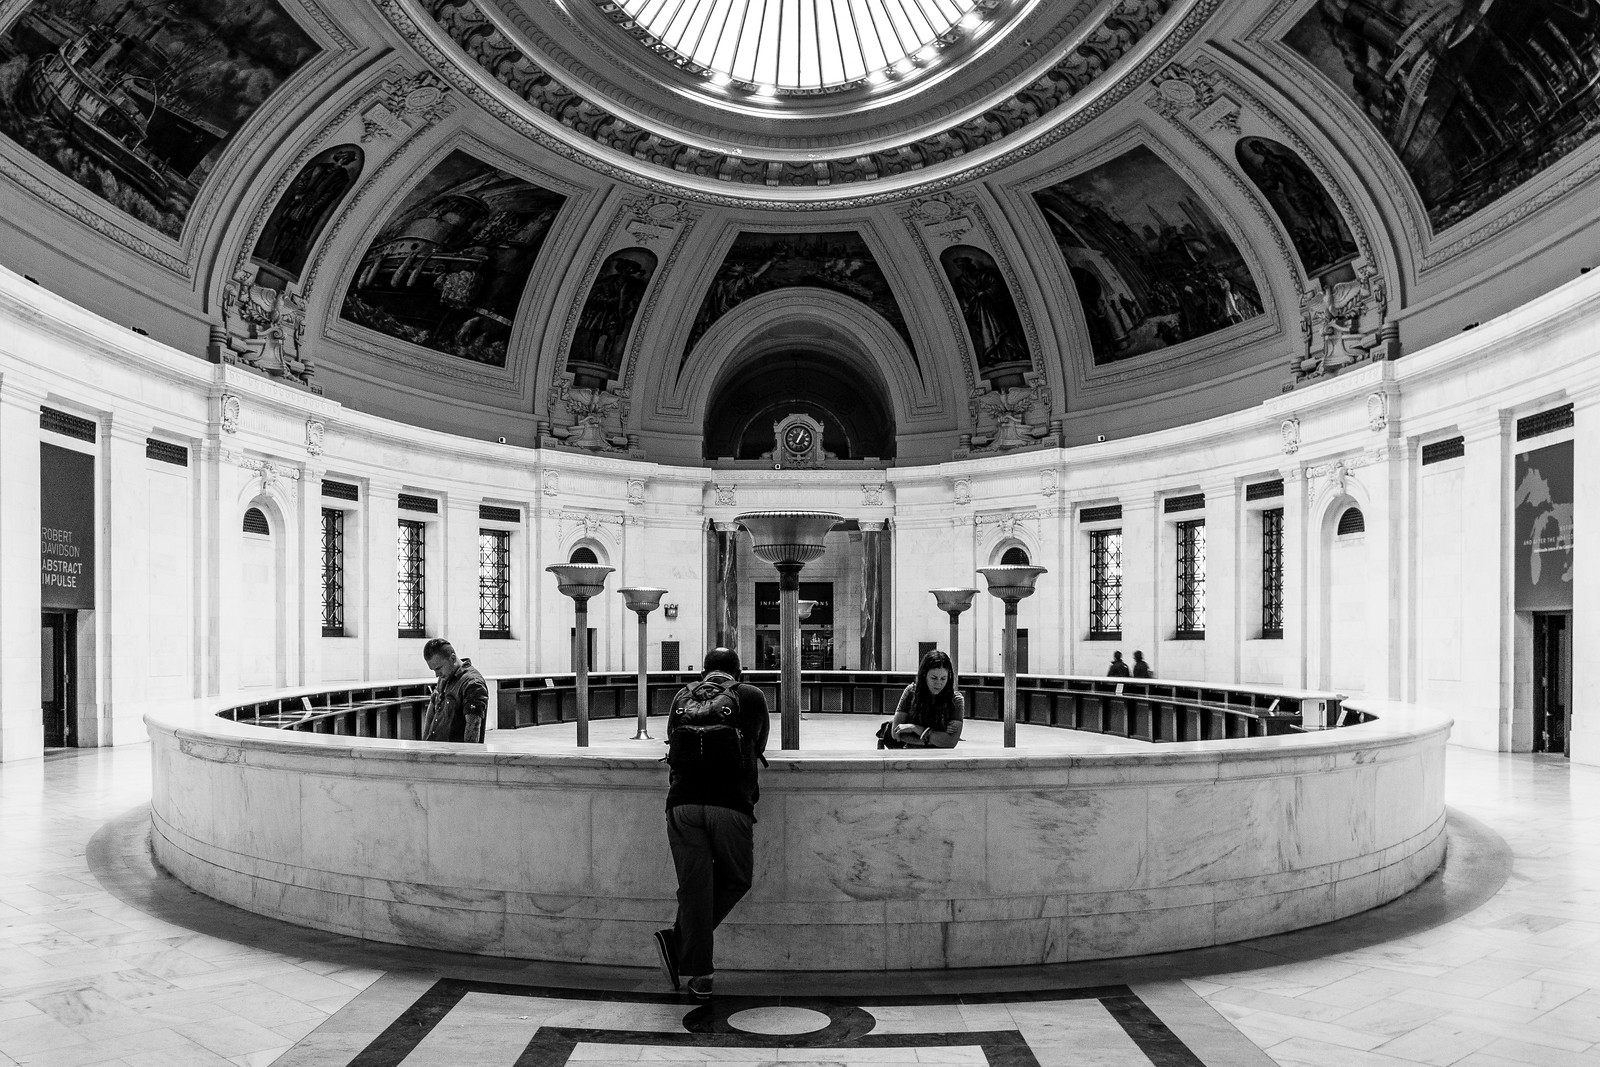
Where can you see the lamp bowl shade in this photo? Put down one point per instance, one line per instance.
(787, 536)
(642, 598)
(956, 600)
(1011, 581)
(806, 608)
(580, 579)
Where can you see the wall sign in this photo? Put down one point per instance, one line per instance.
(1542, 520)
(66, 528)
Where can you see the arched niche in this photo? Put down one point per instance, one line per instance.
(301, 214)
(764, 387)
(1319, 234)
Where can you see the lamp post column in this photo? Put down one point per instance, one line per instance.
(642, 600)
(580, 581)
(1011, 583)
(789, 686)
(953, 602)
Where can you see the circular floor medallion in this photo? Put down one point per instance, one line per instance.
(778, 1020)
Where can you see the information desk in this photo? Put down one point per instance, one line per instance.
(1071, 846)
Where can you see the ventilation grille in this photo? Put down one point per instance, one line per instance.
(341, 490)
(1014, 557)
(256, 523)
(1544, 422)
(408, 502)
(1352, 522)
(1108, 513)
(670, 657)
(67, 425)
(1439, 451)
(1192, 502)
(1263, 490)
(166, 452)
(583, 554)
(499, 514)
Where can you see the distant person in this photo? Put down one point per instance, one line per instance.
(930, 710)
(716, 732)
(1119, 669)
(460, 700)
(1141, 669)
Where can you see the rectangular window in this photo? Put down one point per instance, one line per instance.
(1272, 573)
(494, 583)
(332, 572)
(1105, 585)
(1192, 579)
(413, 605)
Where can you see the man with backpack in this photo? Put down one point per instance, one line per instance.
(716, 733)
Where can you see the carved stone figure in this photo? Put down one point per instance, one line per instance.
(262, 329)
(1291, 435)
(596, 418)
(1342, 323)
(1010, 418)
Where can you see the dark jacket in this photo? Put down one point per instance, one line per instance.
(461, 694)
(1141, 669)
(739, 793)
(1119, 669)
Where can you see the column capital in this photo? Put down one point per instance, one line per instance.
(871, 525)
(725, 527)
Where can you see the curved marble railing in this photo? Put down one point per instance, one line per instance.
(865, 860)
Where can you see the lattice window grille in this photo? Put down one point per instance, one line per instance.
(255, 522)
(411, 548)
(1105, 583)
(67, 425)
(340, 490)
(1272, 573)
(1439, 451)
(332, 572)
(1106, 513)
(496, 513)
(1352, 522)
(412, 502)
(1191, 578)
(1190, 502)
(1545, 422)
(165, 452)
(494, 583)
(1264, 490)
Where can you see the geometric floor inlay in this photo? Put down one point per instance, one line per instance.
(497, 1025)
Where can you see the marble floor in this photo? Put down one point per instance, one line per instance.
(1494, 962)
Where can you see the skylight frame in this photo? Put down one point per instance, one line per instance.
(769, 48)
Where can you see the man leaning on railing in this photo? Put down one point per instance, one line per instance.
(460, 699)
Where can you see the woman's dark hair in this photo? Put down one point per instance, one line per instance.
(928, 709)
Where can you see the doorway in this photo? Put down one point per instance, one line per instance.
(1552, 682)
(58, 670)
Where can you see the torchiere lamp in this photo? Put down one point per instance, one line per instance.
(642, 600)
(1011, 583)
(953, 602)
(580, 581)
(789, 540)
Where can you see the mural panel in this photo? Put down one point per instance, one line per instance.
(1475, 96)
(1152, 265)
(307, 205)
(448, 269)
(137, 101)
(608, 314)
(761, 262)
(987, 306)
(1316, 229)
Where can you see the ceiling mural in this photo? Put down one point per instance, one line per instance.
(136, 102)
(999, 342)
(1316, 229)
(607, 318)
(304, 209)
(448, 269)
(758, 263)
(1151, 264)
(1475, 97)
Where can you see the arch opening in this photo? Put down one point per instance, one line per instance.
(857, 418)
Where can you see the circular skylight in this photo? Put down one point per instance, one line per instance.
(800, 46)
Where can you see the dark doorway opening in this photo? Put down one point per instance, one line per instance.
(58, 672)
(1552, 682)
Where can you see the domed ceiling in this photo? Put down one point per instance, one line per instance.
(945, 227)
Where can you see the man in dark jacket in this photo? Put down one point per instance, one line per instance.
(1119, 668)
(460, 700)
(711, 814)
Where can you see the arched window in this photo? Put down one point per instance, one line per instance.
(1016, 555)
(583, 554)
(255, 522)
(1352, 522)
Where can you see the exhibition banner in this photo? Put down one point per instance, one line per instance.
(66, 528)
(1542, 529)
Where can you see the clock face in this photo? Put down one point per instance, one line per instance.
(797, 439)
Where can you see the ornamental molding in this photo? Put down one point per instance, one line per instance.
(1049, 482)
(268, 472)
(872, 495)
(1341, 471)
(1289, 429)
(727, 495)
(316, 433)
(229, 408)
(636, 492)
(1377, 412)
(962, 490)
(587, 523)
(1152, 59)
(552, 483)
(1007, 524)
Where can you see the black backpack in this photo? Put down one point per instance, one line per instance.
(706, 744)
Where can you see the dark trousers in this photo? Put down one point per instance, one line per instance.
(714, 851)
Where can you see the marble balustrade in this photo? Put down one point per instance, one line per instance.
(870, 860)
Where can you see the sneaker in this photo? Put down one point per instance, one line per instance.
(700, 986)
(668, 954)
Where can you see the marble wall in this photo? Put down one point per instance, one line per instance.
(1435, 580)
(869, 862)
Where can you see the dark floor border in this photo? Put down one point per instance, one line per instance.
(850, 1025)
(1477, 863)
